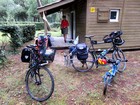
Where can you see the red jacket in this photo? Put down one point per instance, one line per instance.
(64, 24)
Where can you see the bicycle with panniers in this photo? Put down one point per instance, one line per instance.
(82, 58)
(39, 80)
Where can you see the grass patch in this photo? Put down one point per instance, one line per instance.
(4, 38)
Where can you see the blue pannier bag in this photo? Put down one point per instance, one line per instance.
(82, 51)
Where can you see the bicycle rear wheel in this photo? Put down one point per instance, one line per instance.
(39, 83)
(118, 54)
(83, 65)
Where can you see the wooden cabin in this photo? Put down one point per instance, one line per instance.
(99, 18)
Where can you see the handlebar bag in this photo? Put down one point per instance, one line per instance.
(25, 55)
(82, 51)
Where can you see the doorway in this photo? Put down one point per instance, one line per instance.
(72, 25)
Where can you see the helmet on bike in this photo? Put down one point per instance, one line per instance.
(41, 40)
(102, 61)
(118, 41)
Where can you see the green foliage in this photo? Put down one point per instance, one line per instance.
(28, 32)
(22, 10)
(8, 9)
(39, 25)
(55, 25)
(18, 34)
(14, 34)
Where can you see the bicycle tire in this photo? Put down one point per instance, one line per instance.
(118, 54)
(33, 86)
(79, 65)
(106, 83)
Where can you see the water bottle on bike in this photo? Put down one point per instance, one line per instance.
(104, 52)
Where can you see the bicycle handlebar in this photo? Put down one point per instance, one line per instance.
(116, 61)
(33, 47)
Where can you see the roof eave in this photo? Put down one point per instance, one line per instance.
(54, 5)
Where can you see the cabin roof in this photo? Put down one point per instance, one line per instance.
(55, 6)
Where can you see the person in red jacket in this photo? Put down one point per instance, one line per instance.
(64, 27)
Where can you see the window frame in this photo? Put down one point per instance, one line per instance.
(117, 15)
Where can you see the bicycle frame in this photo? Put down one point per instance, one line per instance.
(111, 73)
(94, 52)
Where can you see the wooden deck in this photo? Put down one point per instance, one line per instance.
(59, 44)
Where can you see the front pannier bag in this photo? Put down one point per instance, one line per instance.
(25, 55)
(82, 51)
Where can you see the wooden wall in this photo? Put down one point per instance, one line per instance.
(80, 10)
(129, 21)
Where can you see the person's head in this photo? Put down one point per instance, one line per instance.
(64, 17)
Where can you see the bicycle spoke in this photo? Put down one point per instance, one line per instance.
(40, 86)
(83, 65)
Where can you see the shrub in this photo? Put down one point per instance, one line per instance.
(15, 35)
(39, 25)
(28, 32)
(55, 24)
(18, 34)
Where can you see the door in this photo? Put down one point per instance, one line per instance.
(72, 25)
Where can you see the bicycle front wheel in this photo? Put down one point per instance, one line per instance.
(106, 83)
(118, 54)
(83, 65)
(39, 83)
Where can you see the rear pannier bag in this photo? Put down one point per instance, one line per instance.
(25, 55)
(82, 51)
(49, 55)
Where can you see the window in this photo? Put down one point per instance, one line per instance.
(114, 15)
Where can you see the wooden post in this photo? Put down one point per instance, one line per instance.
(46, 23)
(39, 3)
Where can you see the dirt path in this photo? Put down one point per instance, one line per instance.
(72, 87)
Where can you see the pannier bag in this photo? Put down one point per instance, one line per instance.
(107, 39)
(49, 55)
(25, 55)
(82, 51)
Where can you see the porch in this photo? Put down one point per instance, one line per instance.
(59, 44)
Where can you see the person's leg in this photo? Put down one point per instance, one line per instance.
(65, 34)
(65, 37)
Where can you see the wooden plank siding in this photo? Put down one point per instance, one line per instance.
(80, 9)
(102, 29)
(129, 21)
(93, 22)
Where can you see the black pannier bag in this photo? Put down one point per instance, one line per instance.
(107, 39)
(49, 55)
(25, 55)
(82, 51)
